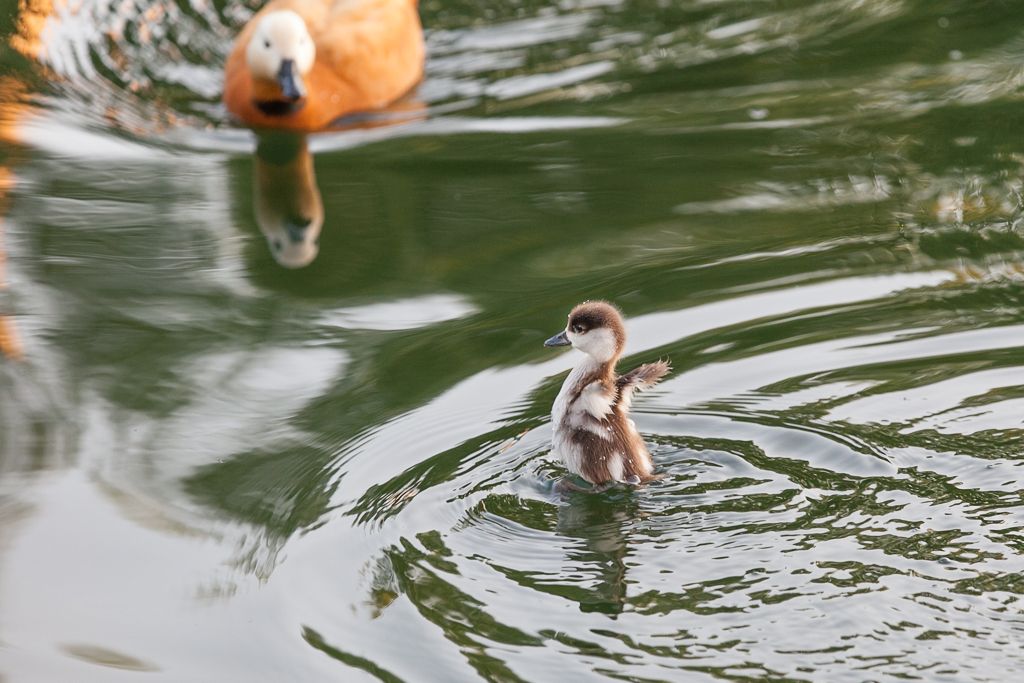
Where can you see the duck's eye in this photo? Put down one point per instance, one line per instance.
(578, 329)
(266, 44)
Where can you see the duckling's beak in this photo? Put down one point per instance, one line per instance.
(558, 340)
(290, 81)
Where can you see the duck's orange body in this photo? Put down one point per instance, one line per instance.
(368, 54)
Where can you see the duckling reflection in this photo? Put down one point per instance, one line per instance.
(286, 199)
(602, 523)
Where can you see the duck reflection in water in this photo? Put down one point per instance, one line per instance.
(286, 200)
(601, 522)
(301, 67)
(593, 531)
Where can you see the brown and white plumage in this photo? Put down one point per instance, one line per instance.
(592, 430)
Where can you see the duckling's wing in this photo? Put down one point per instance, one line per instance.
(638, 379)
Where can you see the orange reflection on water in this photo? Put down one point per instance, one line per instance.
(10, 342)
(33, 17)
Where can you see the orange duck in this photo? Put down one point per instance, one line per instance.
(302, 64)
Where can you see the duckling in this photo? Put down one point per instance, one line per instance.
(302, 64)
(592, 430)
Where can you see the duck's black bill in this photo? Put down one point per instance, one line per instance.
(290, 81)
(296, 228)
(558, 340)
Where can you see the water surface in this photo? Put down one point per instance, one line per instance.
(214, 467)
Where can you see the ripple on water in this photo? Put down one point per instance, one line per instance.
(782, 542)
(752, 553)
(803, 212)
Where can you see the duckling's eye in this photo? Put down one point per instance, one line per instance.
(578, 329)
(266, 44)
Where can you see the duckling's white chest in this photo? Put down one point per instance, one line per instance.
(582, 404)
(574, 398)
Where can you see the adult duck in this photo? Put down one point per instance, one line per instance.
(302, 64)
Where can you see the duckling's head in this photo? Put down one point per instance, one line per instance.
(281, 51)
(596, 329)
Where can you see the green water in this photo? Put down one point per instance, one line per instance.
(216, 468)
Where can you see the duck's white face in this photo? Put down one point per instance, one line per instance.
(599, 343)
(596, 329)
(281, 50)
(294, 241)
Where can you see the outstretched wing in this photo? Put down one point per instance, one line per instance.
(638, 379)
